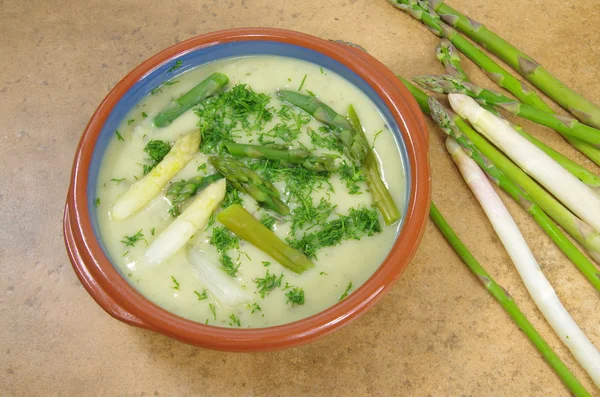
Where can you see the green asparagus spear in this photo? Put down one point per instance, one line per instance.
(244, 225)
(563, 125)
(508, 303)
(379, 193)
(247, 181)
(446, 53)
(355, 144)
(184, 189)
(294, 156)
(444, 118)
(579, 230)
(575, 103)
(177, 107)
(419, 10)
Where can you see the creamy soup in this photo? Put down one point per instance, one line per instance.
(318, 202)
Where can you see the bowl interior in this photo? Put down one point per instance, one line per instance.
(199, 56)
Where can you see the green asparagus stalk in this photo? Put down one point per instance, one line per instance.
(247, 181)
(294, 156)
(446, 84)
(583, 233)
(420, 11)
(244, 225)
(379, 192)
(444, 118)
(574, 102)
(564, 125)
(180, 191)
(177, 107)
(446, 53)
(508, 303)
(355, 144)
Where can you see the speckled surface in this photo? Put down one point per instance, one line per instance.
(437, 333)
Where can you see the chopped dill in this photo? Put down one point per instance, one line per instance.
(211, 221)
(176, 66)
(268, 221)
(224, 240)
(152, 231)
(302, 83)
(326, 141)
(234, 320)
(202, 167)
(222, 115)
(144, 115)
(295, 296)
(268, 283)
(175, 282)
(323, 274)
(345, 294)
(119, 136)
(213, 310)
(157, 150)
(117, 180)
(130, 241)
(265, 263)
(375, 138)
(352, 175)
(130, 121)
(97, 202)
(358, 223)
(201, 296)
(309, 92)
(307, 214)
(253, 308)
(231, 197)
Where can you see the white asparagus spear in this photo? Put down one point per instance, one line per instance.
(185, 225)
(222, 286)
(573, 193)
(536, 283)
(144, 190)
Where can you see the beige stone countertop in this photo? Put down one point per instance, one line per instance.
(437, 333)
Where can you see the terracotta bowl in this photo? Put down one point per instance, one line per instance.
(113, 293)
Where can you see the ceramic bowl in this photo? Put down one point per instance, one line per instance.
(113, 293)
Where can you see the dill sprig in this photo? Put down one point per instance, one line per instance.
(306, 213)
(268, 283)
(352, 175)
(295, 296)
(224, 240)
(156, 150)
(358, 223)
(130, 241)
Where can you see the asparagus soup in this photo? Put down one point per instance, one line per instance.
(250, 192)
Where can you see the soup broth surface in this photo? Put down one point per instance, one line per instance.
(339, 270)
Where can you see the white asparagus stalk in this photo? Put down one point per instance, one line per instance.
(226, 289)
(144, 190)
(536, 283)
(185, 225)
(573, 193)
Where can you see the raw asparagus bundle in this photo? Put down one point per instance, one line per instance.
(420, 11)
(444, 119)
(180, 191)
(177, 107)
(575, 227)
(569, 190)
(293, 156)
(247, 181)
(507, 302)
(538, 286)
(144, 190)
(355, 144)
(580, 107)
(591, 151)
(244, 225)
(564, 125)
